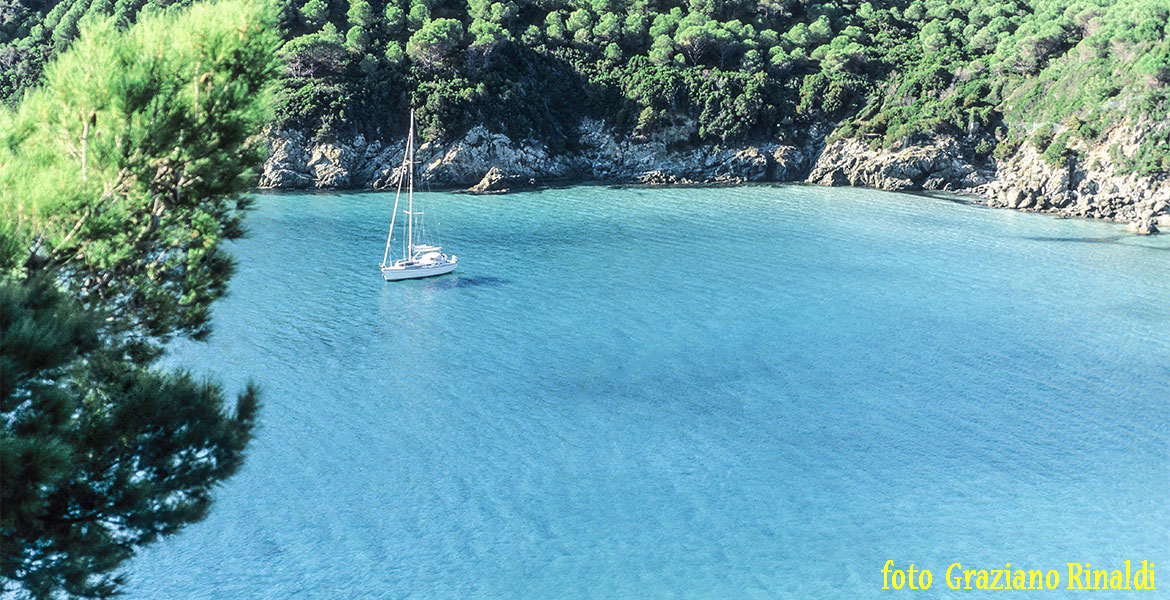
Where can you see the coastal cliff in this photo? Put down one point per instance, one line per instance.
(1049, 105)
(1089, 186)
(490, 162)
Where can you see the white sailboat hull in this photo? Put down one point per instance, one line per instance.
(400, 272)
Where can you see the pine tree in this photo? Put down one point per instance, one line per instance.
(315, 12)
(130, 208)
(120, 176)
(434, 42)
(97, 455)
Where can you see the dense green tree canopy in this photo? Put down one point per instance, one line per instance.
(892, 71)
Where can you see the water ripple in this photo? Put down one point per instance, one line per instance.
(681, 392)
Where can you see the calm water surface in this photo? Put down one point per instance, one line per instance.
(756, 392)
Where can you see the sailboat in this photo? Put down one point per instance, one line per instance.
(420, 258)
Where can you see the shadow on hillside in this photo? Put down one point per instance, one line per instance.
(541, 95)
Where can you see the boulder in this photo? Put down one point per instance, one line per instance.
(832, 178)
(333, 177)
(657, 177)
(329, 165)
(1014, 197)
(493, 181)
(285, 179)
(789, 164)
(747, 165)
(938, 165)
(1143, 227)
(286, 164)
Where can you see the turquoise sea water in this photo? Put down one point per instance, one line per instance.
(755, 392)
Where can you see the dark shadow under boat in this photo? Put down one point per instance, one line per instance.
(464, 281)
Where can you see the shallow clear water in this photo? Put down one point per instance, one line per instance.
(682, 393)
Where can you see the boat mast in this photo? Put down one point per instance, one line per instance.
(410, 221)
(394, 213)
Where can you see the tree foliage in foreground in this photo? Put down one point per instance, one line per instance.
(120, 177)
(98, 455)
(127, 169)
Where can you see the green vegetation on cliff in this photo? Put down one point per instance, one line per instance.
(890, 71)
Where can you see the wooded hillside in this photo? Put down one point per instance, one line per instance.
(998, 73)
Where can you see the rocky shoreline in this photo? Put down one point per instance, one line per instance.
(486, 162)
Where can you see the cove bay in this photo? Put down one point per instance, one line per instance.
(741, 392)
